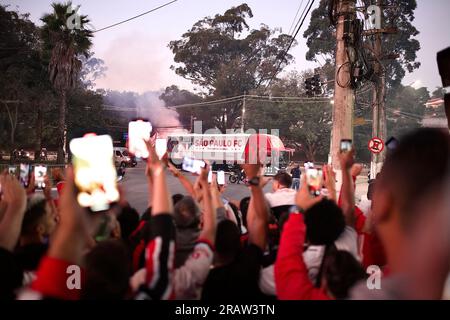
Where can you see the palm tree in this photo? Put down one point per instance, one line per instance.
(63, 44)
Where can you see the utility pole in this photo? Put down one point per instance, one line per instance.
(344, 98)
(378, 99)
(243, 114)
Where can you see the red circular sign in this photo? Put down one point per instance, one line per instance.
(376, 145)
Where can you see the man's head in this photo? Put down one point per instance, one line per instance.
(186, 214)
(107, 271)
(414, 170)
(281, 180)
(324, 223)
(227, 240)
(38, 221)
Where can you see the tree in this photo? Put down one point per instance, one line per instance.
(63, 44)
(406, 109)
(304, 126)
(24, 86)
(400, 14)
(224, 57)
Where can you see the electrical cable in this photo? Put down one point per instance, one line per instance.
(135, 17)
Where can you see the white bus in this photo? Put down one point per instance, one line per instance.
(231, 149)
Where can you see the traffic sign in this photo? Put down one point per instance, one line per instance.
(376, 145)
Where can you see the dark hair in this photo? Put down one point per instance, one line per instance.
(107, 271)
(35, 212)
(415, 168)
(186, 213)
(283, 178)
(324, 223)
(236, 214)
(243, 207)
(177, 197)
(128, 219)
(147, 214)
(227, 239)
(341, 271)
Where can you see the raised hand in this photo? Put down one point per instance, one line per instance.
(303, 198)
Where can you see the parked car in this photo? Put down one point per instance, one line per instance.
(122, 158)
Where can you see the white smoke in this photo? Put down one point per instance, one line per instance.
(151, 107)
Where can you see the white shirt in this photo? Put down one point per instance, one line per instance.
(313, 259)
(189, 278)
(281, 197)
(347, 241)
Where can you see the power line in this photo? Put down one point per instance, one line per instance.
(135, 17)
(252, 97)
(293, 21)
(290, 44)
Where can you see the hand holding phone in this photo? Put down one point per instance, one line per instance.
(193, 165)
(346, 145)
(314, 179)
(24, 175)
(139, 132)
(221, 178)
(95, 174)
(160, 147)
(39, 176)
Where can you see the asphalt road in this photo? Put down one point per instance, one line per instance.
(136, 189)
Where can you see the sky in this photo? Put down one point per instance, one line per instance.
(138, 59)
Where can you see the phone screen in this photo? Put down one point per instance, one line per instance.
(39, 174)
(221, 177)
(138, 132)
(24, 176)
(210, 176)
(95, 174)
(314, 179)
(192, 165)
(346, 145)
(161, 147)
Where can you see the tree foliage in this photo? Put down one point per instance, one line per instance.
(321, 40)
(224, 57)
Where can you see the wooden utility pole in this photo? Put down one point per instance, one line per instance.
(344, 98)
(378, 99)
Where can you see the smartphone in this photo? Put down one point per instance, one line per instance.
(210, 173)
(346, 145)
(95, 174)
(24, 175)
(39, 174)
(160, 147)
(12, 170)
(314, 178)
(221, 178)
(139, 131)
(193, 165)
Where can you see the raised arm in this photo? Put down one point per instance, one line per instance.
(258, 212)
(183, 180)
(13, 204)
(66, 249)
(160, 250)
(291, 275)
(209, 215)
(217, 203)
(347, 189)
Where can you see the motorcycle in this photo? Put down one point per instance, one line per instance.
(237, 176)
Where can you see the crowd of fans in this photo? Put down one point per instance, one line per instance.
(286, 244)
